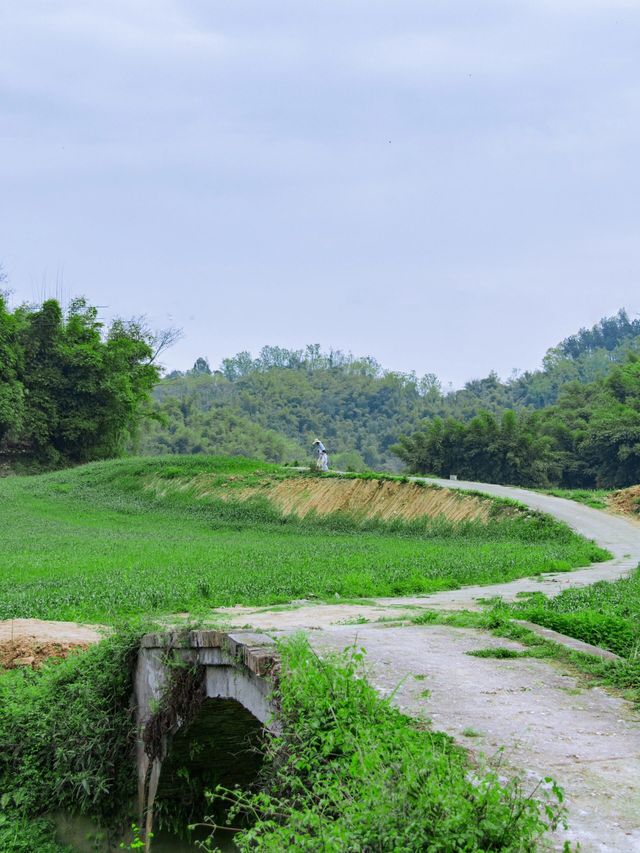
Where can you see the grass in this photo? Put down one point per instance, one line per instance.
(498, 652)
(596, 498)
(605, 614)
(349, 772)
(95, 543)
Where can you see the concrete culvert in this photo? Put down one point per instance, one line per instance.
(222, 745)
(202, 701)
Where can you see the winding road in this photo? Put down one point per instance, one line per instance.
(541, 720)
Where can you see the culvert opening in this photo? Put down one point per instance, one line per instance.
(221, 745)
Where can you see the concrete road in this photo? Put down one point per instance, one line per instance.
(544, 719)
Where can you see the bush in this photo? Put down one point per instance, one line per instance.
(19, 834)
(351, 773)
(67, 733)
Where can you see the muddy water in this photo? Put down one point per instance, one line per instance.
(85, 836)
(222, 745)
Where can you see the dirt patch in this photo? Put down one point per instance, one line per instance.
(626, 502)
(28, 642)
(30, 652)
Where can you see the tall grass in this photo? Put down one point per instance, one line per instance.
(350, 772)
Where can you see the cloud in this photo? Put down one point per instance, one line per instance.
(435, 156)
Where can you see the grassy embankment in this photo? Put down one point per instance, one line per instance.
(150, 536)
(347, 771)
(619, 501)
(595, 498)
(606, 614)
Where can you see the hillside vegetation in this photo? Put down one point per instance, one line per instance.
(137, 536)
(273, 406)
(589, 438)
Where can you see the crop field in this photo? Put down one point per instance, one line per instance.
(98, 543)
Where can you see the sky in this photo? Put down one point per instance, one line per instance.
(446, 185)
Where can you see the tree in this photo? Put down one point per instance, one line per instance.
(11, 388)
(69, 390)
(200, 367)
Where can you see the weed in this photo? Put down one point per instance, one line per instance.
(28, 834)
(67, 736)
(350, 772)
(496, 652)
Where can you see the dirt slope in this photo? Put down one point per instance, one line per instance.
(375, 499)
(626, 502)
(384, 499)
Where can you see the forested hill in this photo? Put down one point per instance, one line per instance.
(274, 406)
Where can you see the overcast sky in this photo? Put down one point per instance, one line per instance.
(450, 186)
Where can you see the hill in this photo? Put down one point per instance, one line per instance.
(142, 536)
(273, 406)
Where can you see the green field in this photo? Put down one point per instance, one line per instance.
(95, 543)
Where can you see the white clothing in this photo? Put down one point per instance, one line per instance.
(322, 460)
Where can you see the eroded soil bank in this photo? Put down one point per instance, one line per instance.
(377, 498)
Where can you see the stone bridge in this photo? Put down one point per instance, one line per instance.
(176, 672)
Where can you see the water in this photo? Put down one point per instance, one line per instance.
(221, 745)
(85, 836)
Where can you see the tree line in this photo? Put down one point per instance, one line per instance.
(71, 390)
(356, 407)
(589, 438)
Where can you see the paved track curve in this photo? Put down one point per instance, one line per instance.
(546, 721)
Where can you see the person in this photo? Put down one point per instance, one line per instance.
(322, 460)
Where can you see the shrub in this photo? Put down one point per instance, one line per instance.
(67, 733)
(351, 773)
